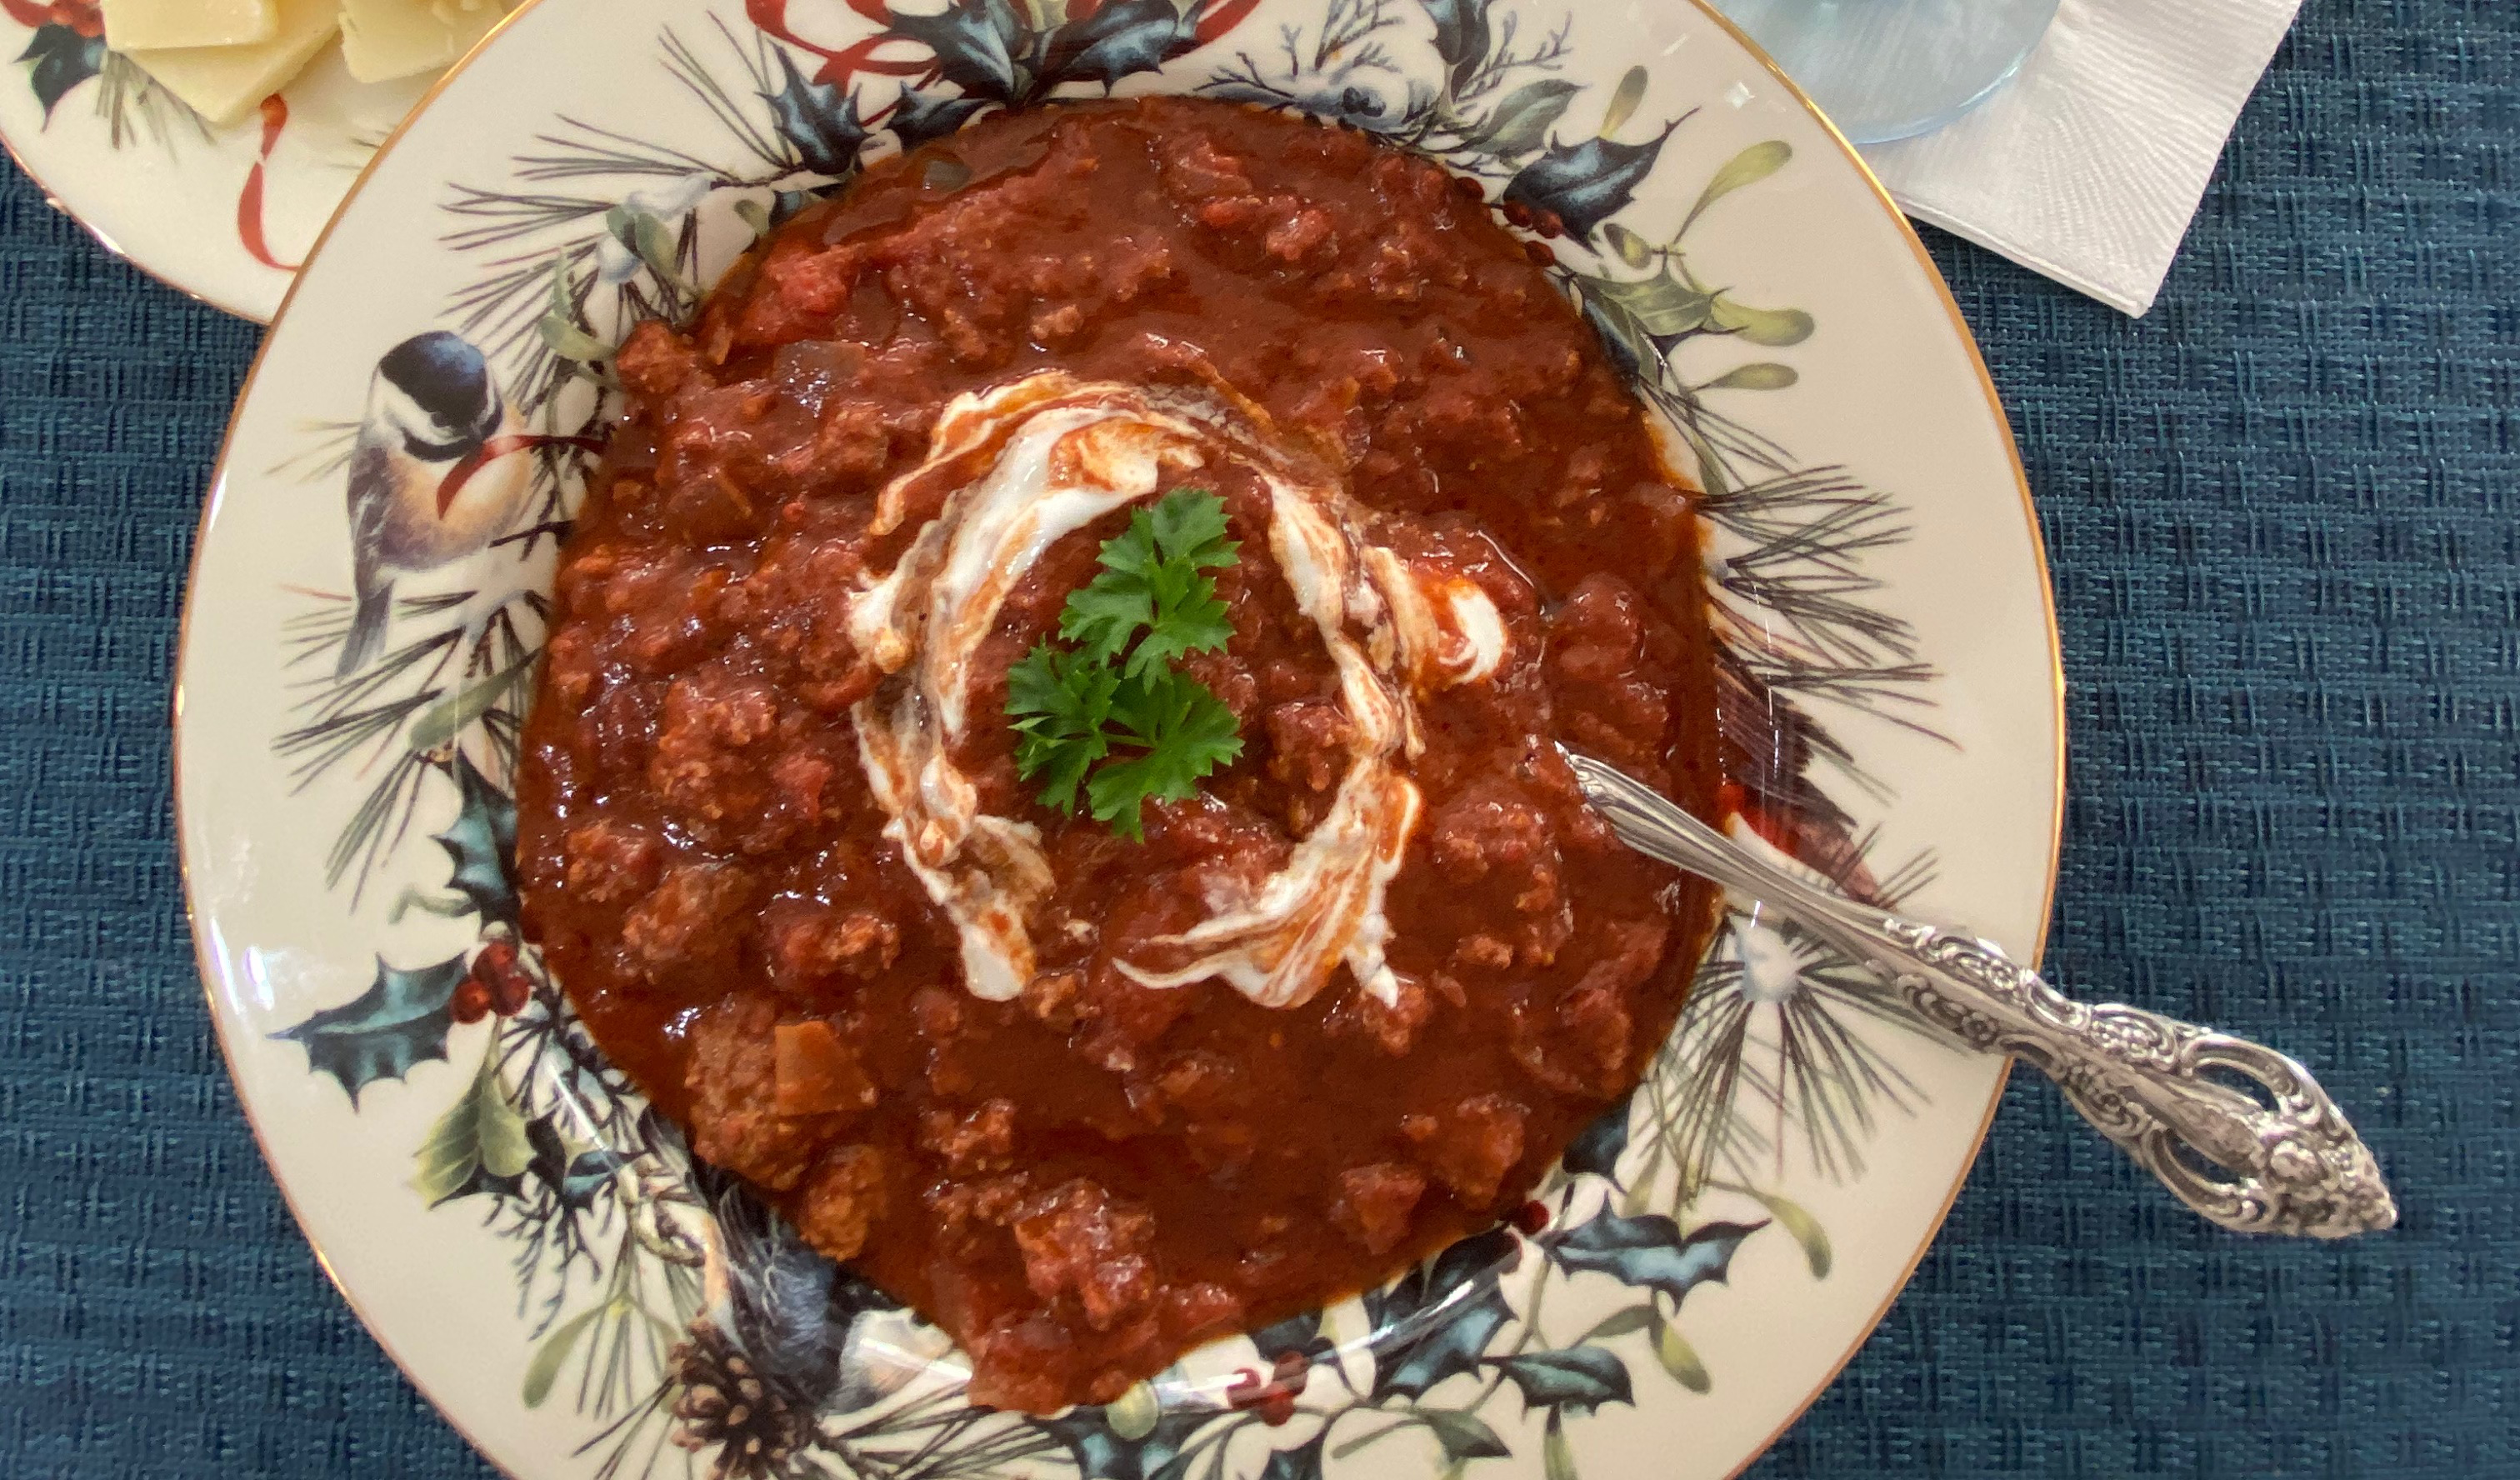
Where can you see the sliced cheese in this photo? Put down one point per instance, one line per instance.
(130, 24)
(383, 39)
(223, 83)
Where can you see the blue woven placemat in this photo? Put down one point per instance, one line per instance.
(2284, 512)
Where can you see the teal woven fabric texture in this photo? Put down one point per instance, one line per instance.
(2284, 517)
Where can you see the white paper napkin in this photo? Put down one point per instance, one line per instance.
(2088, 168)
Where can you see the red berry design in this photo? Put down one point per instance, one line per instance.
(471, 1001)
(1273, 1397)
(508, 986)
(84, 16)
(1530, 1218)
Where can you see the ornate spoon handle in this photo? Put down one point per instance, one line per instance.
(2291, 1167)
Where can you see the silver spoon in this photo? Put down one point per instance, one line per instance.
(2143, 1079)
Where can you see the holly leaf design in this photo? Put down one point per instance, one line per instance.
(478, 1145)
(1522, 122)
(1460, 36)
(925, 115)
(1302, 1463)
(1300, 1334)
(1627, 344)
(62, 59)
(399, 1020)
(1436, 1321)
(1120, 37)
(1586, 184)
(1464, 1436)
(975, 44)
(1450, 1344)
(482, 842)
(1577, 1379)
(1650, 1251)
(818, 118)
(1597, 1148)
(1103, 1454)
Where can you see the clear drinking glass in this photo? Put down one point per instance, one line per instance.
(1886, 69)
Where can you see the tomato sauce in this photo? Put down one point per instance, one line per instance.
(1085, 1181)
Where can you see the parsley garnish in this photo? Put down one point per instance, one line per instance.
(1115, 700)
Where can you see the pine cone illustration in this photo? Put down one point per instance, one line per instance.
(726, 1402)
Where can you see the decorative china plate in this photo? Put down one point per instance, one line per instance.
(224, 213)
(540, 1253)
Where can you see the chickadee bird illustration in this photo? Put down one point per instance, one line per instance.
(430, 480)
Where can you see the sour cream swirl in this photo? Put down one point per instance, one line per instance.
(1011, 471)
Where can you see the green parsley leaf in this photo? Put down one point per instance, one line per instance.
(1059, 701)
(1151, 580)
(1073, 709)
(1186, 733)
(1190, 529)
(1192, 621)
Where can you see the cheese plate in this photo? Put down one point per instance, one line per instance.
(208, 141)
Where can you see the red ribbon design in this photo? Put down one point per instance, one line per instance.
(275, 117)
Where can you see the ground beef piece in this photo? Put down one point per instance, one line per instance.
(1308, 743)
(711, 770)
(989, 1202)
(1302, 233)
(799, 777)
(1471, 1149)
(1597, 633)
(734, 1080)
(1489, 829)
(574, 664)
(841, 1201)
(1374, 1203)
(649, 606)
(1202, 1084)
(1052, 999)
(982, 1140)
(1623, 721)
(854, 441)
(814, 283)
(1078, 1245)
(613, 860)
(1596, 640)
(1394, 1024)
(810, 944)
(655, 360)
(1194, 169)
(680, 922)
(938, 1012)
(1014, 1359)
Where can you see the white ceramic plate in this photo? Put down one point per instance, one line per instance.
(542, 1258)
(223, 214)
